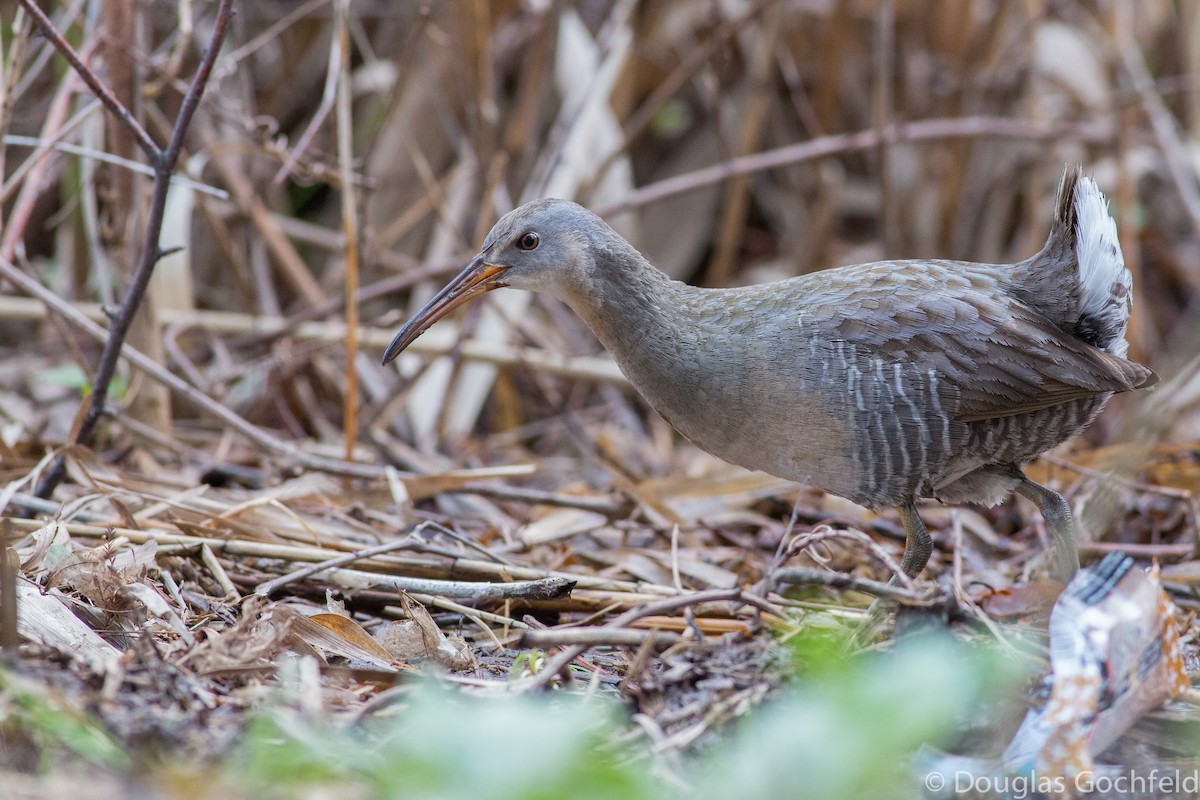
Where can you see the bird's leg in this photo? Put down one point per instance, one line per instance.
(918, 545)
(1057, 515)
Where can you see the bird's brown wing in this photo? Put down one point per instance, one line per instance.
(1003, 357)
(1041, 366)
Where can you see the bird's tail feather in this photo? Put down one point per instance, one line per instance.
(1078, 280)
(1104, 284)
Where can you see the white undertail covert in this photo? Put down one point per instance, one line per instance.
(1105, 283)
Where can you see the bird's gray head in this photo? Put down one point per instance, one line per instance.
(547, 245)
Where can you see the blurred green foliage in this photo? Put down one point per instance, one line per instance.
(847, 728)
(71, 376)
(49, 726)
(449, 745)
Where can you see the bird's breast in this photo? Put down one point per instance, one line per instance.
(750, 399)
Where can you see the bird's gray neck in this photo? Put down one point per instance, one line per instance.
(692, 354)
(656, 332)
(636, 311)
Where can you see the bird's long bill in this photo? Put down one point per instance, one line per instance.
(478, 278)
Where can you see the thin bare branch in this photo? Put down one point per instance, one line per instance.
(164, 165)
(105, 95)
(837, 144)
(109, 158)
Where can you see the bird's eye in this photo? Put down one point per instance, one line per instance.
(528, 241)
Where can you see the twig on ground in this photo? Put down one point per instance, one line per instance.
(268, 588)
(611, 507)
(559, 662)
(806, 540)
(540, 589)
(913, 596)
(385, 564)
(598, 637)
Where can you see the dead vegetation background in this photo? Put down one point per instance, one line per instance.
(363, 149)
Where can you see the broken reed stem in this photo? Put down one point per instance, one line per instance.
(209, 559)
(163, 161)
(9, 636)
(345, 146)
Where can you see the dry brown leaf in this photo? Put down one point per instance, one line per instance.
(1028, 600)
(351, 631)
(341, 636)
(419, 637)
(253, 641)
